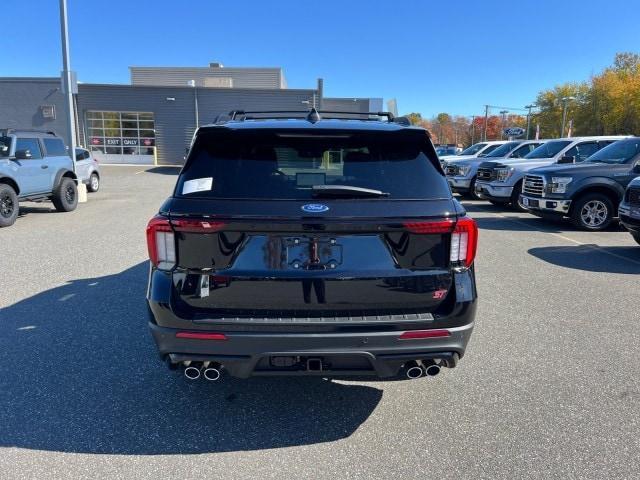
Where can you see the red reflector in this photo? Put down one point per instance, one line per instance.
(416, 334)
(196, 226)
(444, 226)
(202, 336)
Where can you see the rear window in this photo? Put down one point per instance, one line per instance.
(287, 164)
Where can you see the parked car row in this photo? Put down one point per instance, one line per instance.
(35, 166)
(583, 179)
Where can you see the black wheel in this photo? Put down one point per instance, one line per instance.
(8, 205)
(473, 195)
(636, 237)
(65, 195)
(94, 183)
(593, 211)
(515, 199)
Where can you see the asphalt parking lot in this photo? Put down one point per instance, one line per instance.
(549, 388)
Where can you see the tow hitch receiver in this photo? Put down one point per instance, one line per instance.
(314, 364)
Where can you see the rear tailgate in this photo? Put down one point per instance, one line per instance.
(350, 262)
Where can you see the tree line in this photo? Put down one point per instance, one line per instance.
(606, 104)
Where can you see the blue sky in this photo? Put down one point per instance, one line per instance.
(433, 56)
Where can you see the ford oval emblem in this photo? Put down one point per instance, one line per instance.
(314, 208)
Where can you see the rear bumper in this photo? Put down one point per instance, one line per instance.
(245, 354)
(557, 206)
(346, 347)
(498, 193)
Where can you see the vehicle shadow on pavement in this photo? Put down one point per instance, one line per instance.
(592, 258)
(165, 170)
(80, 373)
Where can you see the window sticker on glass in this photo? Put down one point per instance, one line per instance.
(197, 185)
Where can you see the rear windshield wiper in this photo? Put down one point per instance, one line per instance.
(345, 191)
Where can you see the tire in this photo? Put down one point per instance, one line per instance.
(94, 183)
(472, 190)
(65, 195)
(515, 199)
(9, 206)
(593, 212)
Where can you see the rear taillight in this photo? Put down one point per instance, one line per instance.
(464, 236)
(464, 241)
(161, 243)
(443, 226)
(196, 226)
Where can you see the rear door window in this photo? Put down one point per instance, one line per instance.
(31, 144)
(582, 151)
(287, 164)
(55, 147)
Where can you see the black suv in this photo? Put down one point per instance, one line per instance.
(630, 209)
(588, 192)
(311, 245)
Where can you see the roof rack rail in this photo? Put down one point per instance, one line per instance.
(30, 130)
(312, 115)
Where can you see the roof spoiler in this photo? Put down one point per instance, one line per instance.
(312, 115)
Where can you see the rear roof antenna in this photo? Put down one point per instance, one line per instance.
(313, 116)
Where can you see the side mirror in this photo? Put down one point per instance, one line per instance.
(567, 159)
(23, 154)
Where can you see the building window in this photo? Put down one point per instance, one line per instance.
(121, 137)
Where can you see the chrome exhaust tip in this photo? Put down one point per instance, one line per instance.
(192, 372)
(212, 374)
(413, 370)
(432, 370)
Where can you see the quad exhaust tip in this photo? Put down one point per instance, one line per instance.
(432, 370)
(192, 372)
(212, 373)
(413, 370)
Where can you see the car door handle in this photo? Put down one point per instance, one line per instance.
(44, 166)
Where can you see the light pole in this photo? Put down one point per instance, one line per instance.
(564, 101)
(192, 83)
(67, 81)
(486, 120)
(530, 106)
(504, 120)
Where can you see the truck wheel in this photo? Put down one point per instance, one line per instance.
(472, 190)
(65, 195)
(8, 205)
(94, 183)
(515, 199)
(593, 211)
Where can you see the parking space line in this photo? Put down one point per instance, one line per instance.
(141, 171)
(577, 242)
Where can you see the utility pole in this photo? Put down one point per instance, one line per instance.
(529, 117)
(504, 120)
(564, 101)
(67, 83)
(486, 119)
(473, 128)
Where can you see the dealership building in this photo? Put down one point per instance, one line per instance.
(152, 119)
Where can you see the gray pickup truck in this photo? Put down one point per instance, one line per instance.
(34, 166)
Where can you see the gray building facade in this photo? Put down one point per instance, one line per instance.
(145, 123)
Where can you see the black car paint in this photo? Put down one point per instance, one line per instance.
(340, 285)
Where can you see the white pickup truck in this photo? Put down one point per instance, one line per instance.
(500, 182)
